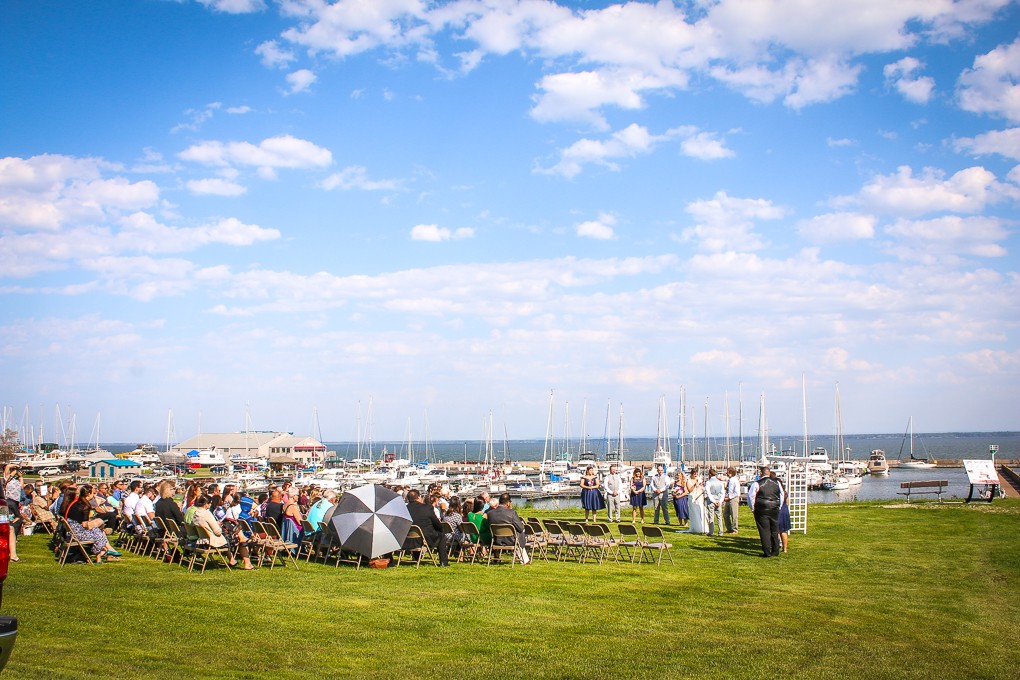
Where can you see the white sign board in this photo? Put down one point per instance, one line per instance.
(981, 471)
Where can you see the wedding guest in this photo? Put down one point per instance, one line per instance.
(680, 499)
(765, 497)
(218, 538)
(614, 486)
(731, 501)
(784, 514)
(591, 496)
(637, 495)
(660, 484)
(715, 492)
(85, 527)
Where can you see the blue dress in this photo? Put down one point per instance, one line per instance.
(784, 519)
(683, 513)
(591, 499)
(637, 494)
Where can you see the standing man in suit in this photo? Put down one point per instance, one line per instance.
(765, 497)
(715, 492)
(423, 516)
(731, 503)
(614, 486)
(660, 484)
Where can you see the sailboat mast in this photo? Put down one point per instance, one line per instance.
(803, 384)
(740, 420)
(726, 396)
(548, 429)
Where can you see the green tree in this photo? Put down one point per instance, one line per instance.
(8, 445)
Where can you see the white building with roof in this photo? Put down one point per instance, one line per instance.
(260, 444)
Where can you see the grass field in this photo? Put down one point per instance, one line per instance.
(886, 592)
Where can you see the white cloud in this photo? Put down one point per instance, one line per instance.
(993, 84)
(47, 191)
(967, 191)
(578, 96)
(840, 142)
(1003, 142)
(727, 223)
(949, 236)
(346, 28)
(235, 6)
(435, 233)
(197, 117)
(273, 55)
(629, 142)
(705, 146)
(215, 186)
(300, 80)
(600, 229)
(837, 227)
(238, 110)
(356, 177)
(284, 151)
(901, 75)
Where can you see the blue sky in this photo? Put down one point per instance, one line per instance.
(456, 207)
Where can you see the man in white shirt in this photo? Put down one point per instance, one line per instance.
(715, 492)
(146, 505)
(660, 484)
(614, 486)
(731, 503)
(131, 500)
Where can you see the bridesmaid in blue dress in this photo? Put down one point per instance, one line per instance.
(637, 495)
(683, 513)
(591, 497)
(784, 516)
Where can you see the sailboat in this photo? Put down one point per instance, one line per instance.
(913, 462)
(662, 455)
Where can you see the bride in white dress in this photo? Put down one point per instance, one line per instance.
(696, 506)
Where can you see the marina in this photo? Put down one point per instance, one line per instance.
(523, 476)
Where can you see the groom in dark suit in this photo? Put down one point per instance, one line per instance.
(423, 516)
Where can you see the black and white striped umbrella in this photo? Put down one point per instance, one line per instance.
(371, 520)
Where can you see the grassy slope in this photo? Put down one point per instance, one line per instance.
(870, 591)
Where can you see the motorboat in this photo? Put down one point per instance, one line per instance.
(877, 463)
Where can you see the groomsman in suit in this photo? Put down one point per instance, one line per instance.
(660, 484)
(765, 497)
(731, 503)
(614, 487)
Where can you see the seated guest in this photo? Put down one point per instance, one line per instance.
(191, 495)
(102, 507)
(85, 527)
(454, 518)
(481, 522)
(290, 528)
(317, 511)
(249, 509)
(40, 502)
(119, 492)
(131, 500)
(505, 514)
(58, 497)
(218, 538)
(423, 515)
(166, 508)
(273, 509)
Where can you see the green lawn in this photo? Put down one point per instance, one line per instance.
(921, 591)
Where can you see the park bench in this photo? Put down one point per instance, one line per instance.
(936, 486)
